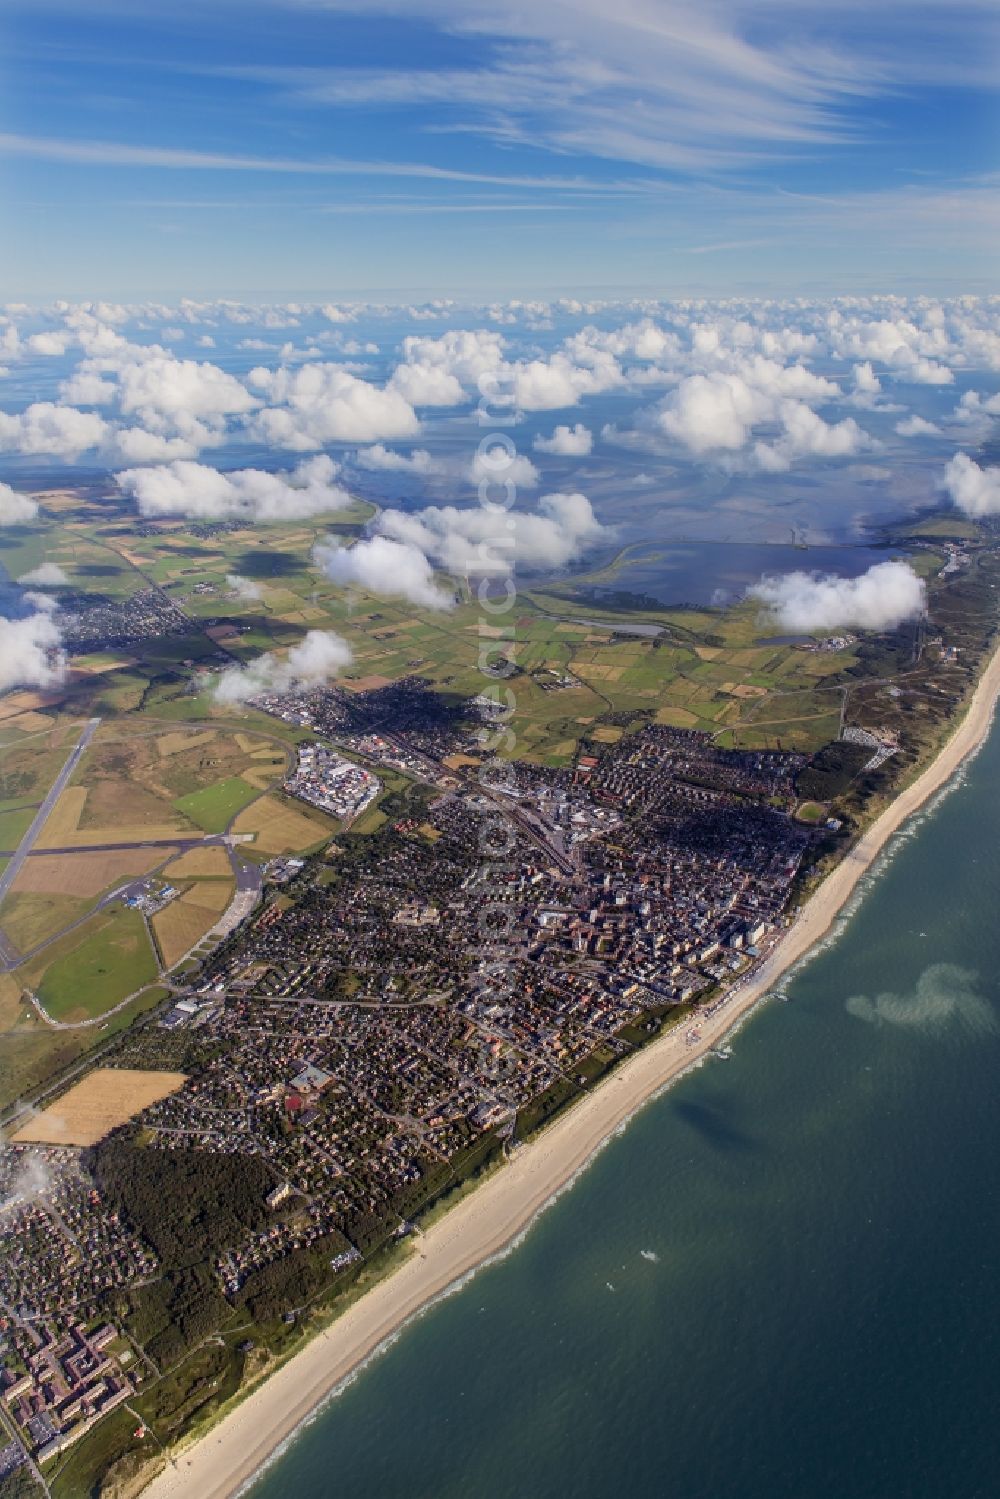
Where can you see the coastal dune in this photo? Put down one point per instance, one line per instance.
(486, 1221)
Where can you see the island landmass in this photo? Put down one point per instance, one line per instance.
(311, 1002)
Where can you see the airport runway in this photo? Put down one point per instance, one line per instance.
(41, 816)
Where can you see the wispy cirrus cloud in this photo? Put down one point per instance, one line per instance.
(175, 158)
(667, 84)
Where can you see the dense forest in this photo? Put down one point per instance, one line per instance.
(188, 1205)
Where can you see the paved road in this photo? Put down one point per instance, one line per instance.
(41, 816)
(248, 877)
(182, 840)
(9, 955)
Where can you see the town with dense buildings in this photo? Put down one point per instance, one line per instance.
(449, 946)
(335, 785)
(403, 1010)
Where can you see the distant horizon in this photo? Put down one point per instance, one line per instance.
(472, 299)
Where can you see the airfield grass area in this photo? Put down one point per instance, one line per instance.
(100, 1102)
(214, 807)
(13, 826)
(130, 788)
(90, 970)
(30, 919)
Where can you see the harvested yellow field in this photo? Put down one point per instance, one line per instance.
(208, 895)
(104, 1099)
(245, 743)
(64, 818)
(564, 747)
(29, 723)
(607, 734)
(369, 683)
(280, 829)
(178, 927)
(598, 670)
(27, 702)
(456, 762)
(677, 718)
(102, 667)
(11, 1003)
(429, 831)
(752, 656)
(260, 777)
(566, 629)
(136, 558)
(84, 874)
(268, 752)
(208, 861)
(58, 499)
(172, 744)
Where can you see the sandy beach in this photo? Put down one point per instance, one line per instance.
(489, 1218)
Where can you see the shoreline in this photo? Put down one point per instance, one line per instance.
(487, 1222)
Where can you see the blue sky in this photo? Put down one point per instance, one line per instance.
(422, 147)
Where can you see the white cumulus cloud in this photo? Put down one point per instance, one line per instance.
(397, 569)
(567, 442)
(880, 599)
(318, 657)
(719, 411)
(49, 344)
(866, 382)
(916, 426)
(497, 466)
(204, 493)
(321, 403)
(174, 386)
(975, 490)
(16, 509)
(31, 653)
(807, 435)
(244, 588)
(46, 575)
(424, 384)
(481, 540)
(44, 427)
(418, 461)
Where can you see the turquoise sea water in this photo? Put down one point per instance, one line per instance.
(780, 1282)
